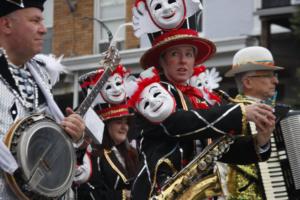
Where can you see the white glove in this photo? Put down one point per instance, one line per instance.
(212, 79)
(142, 22)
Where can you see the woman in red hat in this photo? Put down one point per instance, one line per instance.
(108, 169)
(170, 145)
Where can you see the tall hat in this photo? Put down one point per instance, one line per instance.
(168, 24)
(9, 6)
(253, 58)
(149, 98)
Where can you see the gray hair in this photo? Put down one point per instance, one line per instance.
(239, 80)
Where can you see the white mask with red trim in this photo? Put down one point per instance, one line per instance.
(149, 97)
(155, 103)
(113, 91)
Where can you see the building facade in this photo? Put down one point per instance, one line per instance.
(79, 31)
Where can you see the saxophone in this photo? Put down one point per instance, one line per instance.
(195, 181)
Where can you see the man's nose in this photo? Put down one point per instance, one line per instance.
(275, 80)
(42, 29)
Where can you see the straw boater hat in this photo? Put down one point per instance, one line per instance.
(252, 59)
(9, 6)
(176, 31)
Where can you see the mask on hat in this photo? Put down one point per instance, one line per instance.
(163, 15)
(167, 14)
(113, 90)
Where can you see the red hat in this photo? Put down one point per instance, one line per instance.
(204, 48)
(113, 111)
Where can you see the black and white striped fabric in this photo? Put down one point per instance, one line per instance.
(26, 85)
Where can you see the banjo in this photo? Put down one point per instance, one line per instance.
(43, 151)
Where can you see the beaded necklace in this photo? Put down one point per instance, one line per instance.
(27, 86)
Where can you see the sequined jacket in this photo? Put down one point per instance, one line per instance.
(244, 181)
(107, 178)
(12, 108)
(167, 147)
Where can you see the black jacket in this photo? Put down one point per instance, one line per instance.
(108, 179)
(167, 147)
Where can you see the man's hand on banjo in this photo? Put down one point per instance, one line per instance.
(74, 125)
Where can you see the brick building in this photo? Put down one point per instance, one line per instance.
(77, 32)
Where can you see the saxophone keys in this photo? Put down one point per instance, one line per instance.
(202, 165)
(186, 181)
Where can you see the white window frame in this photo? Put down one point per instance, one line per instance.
(97, 26)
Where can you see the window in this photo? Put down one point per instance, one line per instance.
(48, 16)
(112, 14)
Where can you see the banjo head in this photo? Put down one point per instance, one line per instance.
(46, 158)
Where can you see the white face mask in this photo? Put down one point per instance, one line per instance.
(156, 103)
(113, 90)
(166, 14)
(199, 81)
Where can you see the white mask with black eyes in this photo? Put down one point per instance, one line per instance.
(113, 90)
(199, 81)
(155, 103)
(166, 14)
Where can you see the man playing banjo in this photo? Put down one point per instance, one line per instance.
(22, 94)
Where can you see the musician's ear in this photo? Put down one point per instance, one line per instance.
(247, 83)
(5, 25)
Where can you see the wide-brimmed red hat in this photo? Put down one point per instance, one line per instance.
(204, 48)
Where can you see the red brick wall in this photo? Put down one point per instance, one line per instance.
(73, 36)
(130, 40)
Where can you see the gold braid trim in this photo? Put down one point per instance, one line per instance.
(175, 37)
(184, 105)
(161, 161)
(244, 119)
(114, 166)
(111, 112)
(123, 195)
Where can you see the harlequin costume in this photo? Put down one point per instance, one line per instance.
(167, 146)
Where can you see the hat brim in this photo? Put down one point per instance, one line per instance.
(205, 49)
(129, 115)
(250, 67)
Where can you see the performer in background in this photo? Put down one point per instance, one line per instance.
(108, 169)
(168, 145)
(21, 37)
(255, 75)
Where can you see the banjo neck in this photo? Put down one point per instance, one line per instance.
(109, 62)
